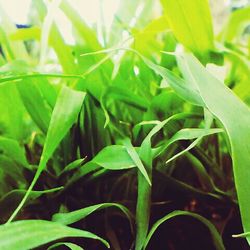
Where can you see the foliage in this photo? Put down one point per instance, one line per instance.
(156, 124)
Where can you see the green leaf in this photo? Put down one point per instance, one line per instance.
(214, 233)
(186, 134)
(47, 89)
(196, 134)
(28, 234)
(35, 104)
(11, 169)
(72, 217)
(70, 245)
(13, 150)
(89, 167)
(124, 95)
(11, 199)
(236, 24)
(181, 87)
(135, 157)
(11, 118)
(64, 115)
(193, 28)
(114, 157)
(26, 34)
(235, 117)
(73, 165)
(143, 205)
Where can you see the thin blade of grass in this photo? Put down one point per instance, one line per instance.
(214, 233)
(63, 117)
(74, 216)
(70, 245)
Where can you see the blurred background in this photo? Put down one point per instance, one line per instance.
(101, 13)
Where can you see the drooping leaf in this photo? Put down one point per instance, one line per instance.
(74, 216)
(218, 243)
(28, 234)
(183, 88)
(235, 116)
(194, 143)
(70, 245)
(186, 134)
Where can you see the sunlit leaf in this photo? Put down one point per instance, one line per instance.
(192, 28)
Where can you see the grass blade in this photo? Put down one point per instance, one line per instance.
(64, 115)
(193, 28)
(144, 188)
(214, 233)
(135, 157)
(235, 116)
(70, 245)
(28, 234)
(72, 217)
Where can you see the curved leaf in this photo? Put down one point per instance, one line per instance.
(235, 116)
(70, 245)
(72, 217)
(186, 134)
(214, 233)
(28, 234)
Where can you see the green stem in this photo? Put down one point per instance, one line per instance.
(143, 209)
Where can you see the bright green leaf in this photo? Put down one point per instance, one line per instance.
(28, 234)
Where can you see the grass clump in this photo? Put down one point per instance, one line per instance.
(135, 142)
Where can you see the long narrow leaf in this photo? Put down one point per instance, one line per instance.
(193, 28)
(28, 234)
(74, 216)
(214, 233)
(235, 116)
(64, 115)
